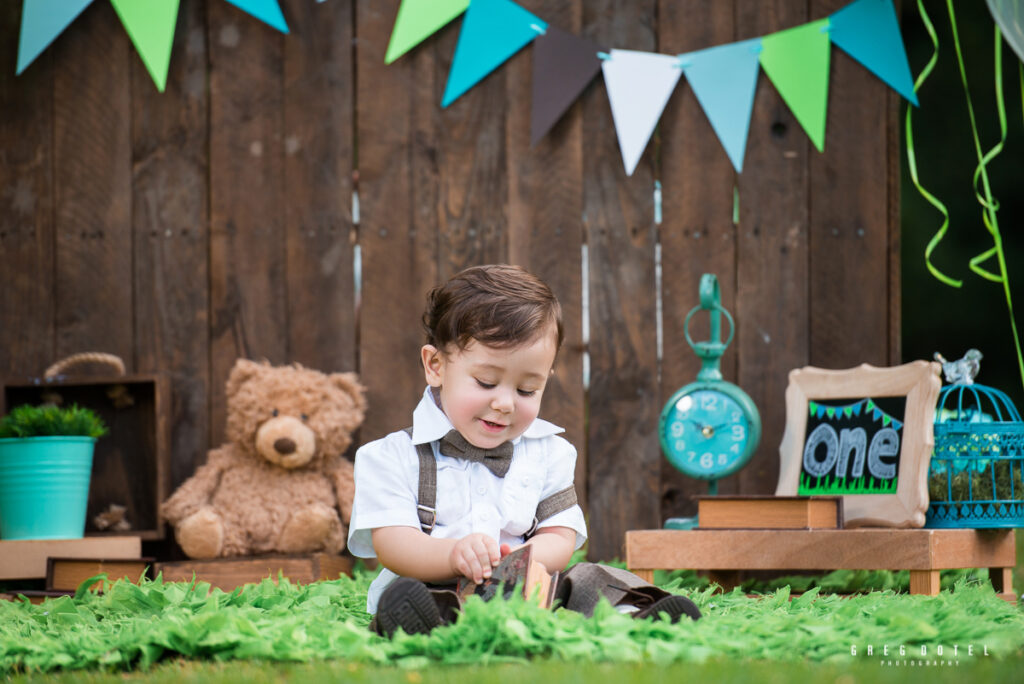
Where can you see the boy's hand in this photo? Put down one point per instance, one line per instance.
(473, 556)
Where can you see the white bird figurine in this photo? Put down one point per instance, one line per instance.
(962, 371)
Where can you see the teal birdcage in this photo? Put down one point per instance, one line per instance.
(976, 476)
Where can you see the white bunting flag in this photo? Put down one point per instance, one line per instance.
(639, 85)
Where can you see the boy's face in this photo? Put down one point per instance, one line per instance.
(491, 395)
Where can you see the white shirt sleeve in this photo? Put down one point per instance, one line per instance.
(386, 477)
(561, 461)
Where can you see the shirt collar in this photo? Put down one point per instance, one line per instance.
(429, 423)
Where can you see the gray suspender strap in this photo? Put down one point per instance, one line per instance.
(556, 503)
(426, 498)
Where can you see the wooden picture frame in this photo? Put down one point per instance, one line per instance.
(919, 383)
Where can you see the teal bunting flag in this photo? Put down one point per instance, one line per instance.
(492, 31)
(868, 31)
(267, 11)
(724, 79)
(41, 22)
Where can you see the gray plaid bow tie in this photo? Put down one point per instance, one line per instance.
(497, 460)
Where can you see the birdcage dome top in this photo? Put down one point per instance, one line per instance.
(974, 403)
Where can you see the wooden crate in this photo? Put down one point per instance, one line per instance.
(26, 558)
(229, 573)
(131, 463)
(66, 574)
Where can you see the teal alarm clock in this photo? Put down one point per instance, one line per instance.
(710, 428)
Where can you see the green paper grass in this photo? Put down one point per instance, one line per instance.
(51, 421)
(132, 627)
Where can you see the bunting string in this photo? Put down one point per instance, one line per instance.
(866, 406)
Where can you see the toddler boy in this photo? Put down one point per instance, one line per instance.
(479, 474)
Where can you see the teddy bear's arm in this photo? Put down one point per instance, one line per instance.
(197, 490)
(343, 479)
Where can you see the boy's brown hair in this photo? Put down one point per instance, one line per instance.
(498, 305)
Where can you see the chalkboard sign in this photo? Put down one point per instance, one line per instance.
(864, 434)
(852, 446)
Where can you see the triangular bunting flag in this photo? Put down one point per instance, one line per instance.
(41, 22)
(886, 419)
(877, 414)
(896, 424)
(848, 411)
(492, 31)
(868, 31)
(871, 405)
(821, 410)
(830, 412)
(563, 65)
(812, 407)
(419, 19)
(857, 408)
(267, 11)
(639, 85)
(796, 60)
(150, 24)
(724, 79)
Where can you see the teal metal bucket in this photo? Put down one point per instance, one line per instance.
(44, 487)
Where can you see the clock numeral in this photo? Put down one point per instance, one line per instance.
(738, 433)
(735, 448)
(692, 456)
(680, 445)
(708, 402)
(707, 460)
(677, 429)
(723, 459)
(736, 416)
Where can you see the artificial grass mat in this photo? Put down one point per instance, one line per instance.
(134, 626)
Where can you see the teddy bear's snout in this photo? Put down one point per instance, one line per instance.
(286, 441)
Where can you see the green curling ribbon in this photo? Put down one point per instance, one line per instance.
(912, 159)
(989, 205)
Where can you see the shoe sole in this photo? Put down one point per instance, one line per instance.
(407, 603)
(675, 606)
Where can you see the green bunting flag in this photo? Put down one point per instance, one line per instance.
(797, 62)
(150, 24)
(417, 20)
(812, 406)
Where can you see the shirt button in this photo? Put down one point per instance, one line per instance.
(481, 490)
(526, 482)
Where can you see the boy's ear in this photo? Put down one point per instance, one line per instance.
(432, 364)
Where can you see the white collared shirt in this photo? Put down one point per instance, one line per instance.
(469, 497)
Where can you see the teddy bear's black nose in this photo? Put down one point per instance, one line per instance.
(284, 446)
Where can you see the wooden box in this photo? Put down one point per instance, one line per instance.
(131, 463)
(229, 573)
(27, 558)
(770, 512)
(66, 574)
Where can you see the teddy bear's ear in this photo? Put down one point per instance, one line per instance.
(349, 383)
(242, 371)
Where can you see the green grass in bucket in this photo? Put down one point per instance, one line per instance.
(51, 421)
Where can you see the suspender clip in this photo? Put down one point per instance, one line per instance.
(430, 514)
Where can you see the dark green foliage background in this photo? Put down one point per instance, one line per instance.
(937, 317)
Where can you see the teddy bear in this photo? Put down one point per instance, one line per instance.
(281, 484)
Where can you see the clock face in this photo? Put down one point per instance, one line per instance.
(706, 433)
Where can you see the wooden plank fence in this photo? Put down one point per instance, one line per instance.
(185, 229)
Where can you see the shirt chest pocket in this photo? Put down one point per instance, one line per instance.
(519, 498)
(453, 504)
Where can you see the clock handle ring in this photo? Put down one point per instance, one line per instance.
(713, 309)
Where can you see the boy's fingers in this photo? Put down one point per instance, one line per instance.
(505, 550)
(492, 551)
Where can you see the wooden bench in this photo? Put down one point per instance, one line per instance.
(924, 552)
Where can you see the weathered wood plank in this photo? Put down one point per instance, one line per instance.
(170, 224)
(697, 234)
(26, 208)
(771, 273)
(248, 311)
(396, 107)
(471, 166)
(545, 229)
(318, 113)
(623, 453)
(92, 181)
(849, 219)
